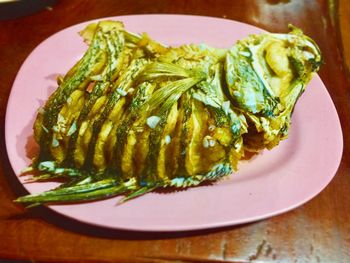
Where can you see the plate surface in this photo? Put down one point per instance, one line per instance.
(271, 183)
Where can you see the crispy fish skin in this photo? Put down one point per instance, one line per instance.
(134, 115)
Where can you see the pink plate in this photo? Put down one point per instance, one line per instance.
(272, 183)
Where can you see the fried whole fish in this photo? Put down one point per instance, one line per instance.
(133, 115)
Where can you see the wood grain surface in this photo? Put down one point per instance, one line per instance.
(318, 231)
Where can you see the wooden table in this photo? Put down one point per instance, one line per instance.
(318, 231)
